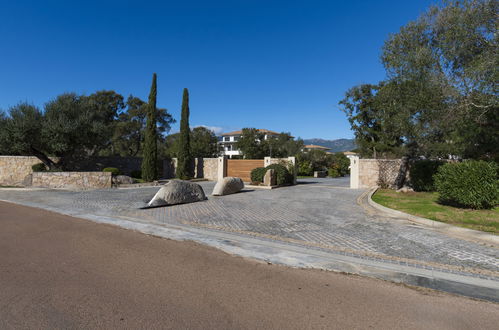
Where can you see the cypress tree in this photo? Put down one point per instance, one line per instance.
(150, 159)
(184, 166)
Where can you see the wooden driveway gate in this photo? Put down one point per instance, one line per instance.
(241, 168)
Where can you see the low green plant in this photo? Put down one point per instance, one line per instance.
(113, 170)
(421, 173)
(305, 168)
(136, 174)
(282, 173)
(472, 184)
(257, 174)
(39, 167)
(333, 172)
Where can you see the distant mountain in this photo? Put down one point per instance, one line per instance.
(335, 145)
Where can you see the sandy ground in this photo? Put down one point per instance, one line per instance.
(62, 272)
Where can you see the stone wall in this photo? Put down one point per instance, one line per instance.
(367, 173)
(203, 168)
(72, 180)
(16, 170)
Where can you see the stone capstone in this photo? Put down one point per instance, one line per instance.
(227, 186)
(270, 179)
(122, 179)
(177, 192)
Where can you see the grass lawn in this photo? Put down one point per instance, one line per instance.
(424, 204)
(304, 176)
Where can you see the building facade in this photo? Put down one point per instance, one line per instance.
(228, 141)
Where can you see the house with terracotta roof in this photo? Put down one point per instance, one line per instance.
(228, 141)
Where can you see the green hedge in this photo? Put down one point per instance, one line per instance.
(421, 173)
(472, 184)
(282, 173)
(333, 172)
(113, 170)
(257, 174)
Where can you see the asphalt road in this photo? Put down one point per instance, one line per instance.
(62, 272)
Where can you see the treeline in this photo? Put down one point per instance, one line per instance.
(440, 94)
(73, 127)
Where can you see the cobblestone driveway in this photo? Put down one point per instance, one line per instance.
(320, 213)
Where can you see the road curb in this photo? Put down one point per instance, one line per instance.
(464, 233)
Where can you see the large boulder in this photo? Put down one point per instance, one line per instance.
(270, 178)
(227, 186)
(122, 179)
(178, 192)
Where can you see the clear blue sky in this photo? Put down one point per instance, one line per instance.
(280, 65)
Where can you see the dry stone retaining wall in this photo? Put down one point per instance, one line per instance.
(15, 170)
(72, 180)
(367, 173)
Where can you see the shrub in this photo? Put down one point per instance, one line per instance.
(334, 172)
(136, 174)
(257, 174)
(113, 170)
(421, 173)
(472, 184)
(282, 173)
(305, 168)
(39, 167)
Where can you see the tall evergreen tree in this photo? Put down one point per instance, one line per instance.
(184, 166)
(150, 160)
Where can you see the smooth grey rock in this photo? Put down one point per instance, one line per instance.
(405, 189)
(122, 179)
(178, 192)
(270, 179)
(227, 186)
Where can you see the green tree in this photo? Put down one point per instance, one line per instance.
(71, 128)
(283, 145)
(250, 144)
(3, 122)
(150, 159)
(204, 143)
(376, 132)
(128, 137)
(184, 166)
(440, 96)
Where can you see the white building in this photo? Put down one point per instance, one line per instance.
(228, 141)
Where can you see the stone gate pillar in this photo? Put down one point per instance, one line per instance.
(354, 172)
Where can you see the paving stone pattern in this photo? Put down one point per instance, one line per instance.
(318, 212)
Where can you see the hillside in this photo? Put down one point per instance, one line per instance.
(334, 145)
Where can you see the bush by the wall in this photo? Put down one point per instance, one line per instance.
(305, 168)
(136, 174)
(333, 172)
(113, 170)
(473, 184)
(282, 173)
(257, 174)
(421, 173)
(39, 167)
